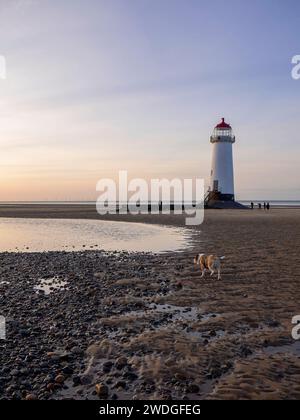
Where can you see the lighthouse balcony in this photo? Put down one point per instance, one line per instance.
(222, 138)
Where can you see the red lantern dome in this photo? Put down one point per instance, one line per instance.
(223, 125)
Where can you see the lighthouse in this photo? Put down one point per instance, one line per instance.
(221, 189)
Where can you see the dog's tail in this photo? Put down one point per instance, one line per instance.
(222, 258)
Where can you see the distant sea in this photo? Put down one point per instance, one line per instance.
(273, 203)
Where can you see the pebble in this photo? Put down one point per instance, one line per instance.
(60, 379)
(30, 397)
(121, 362)
(50, 386)
(101, 390)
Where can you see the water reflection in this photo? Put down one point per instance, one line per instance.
(37, 235)
(49, 285)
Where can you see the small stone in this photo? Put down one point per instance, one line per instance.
(60, 379)
(76, 380)
(121, 362)
(67, 370)
(101, 390)
(86, 379)
(193, 389)
(107, 366)
(120, 384)
(245, 351)
(131, 376)
(180, 376)
(50, 386)
(273, 323)
(30, 397)
(76, 350)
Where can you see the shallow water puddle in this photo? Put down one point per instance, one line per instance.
(175, 313)
(49, 285)
(210, 335)
(161, 316)
(178, 313)
(39, 235)
(293, 348)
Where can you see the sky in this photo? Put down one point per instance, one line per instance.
(98, 86)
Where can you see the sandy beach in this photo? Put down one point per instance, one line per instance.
(146, 326)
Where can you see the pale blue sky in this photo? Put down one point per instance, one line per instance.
(94, 86)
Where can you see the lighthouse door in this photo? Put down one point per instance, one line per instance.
(216, 186)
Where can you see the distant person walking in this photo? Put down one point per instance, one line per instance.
(252, 205)
(259, 206)
(268, 206)
(265, 205)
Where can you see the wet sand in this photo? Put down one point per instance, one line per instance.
(147, 326)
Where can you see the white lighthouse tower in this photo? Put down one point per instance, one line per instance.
(221, 190)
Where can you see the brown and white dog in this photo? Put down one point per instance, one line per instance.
(209, 262)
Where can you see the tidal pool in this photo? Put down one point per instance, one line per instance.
(38, 235)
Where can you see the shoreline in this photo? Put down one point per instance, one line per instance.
(88, 211)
